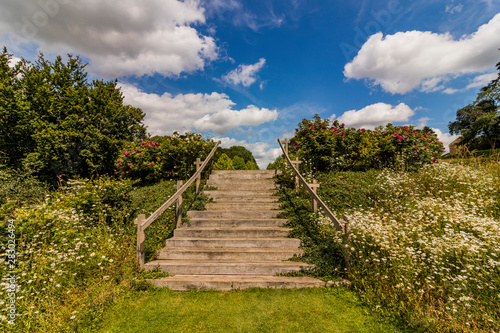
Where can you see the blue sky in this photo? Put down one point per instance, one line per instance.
(246, 72)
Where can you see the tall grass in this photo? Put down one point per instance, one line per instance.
(427, 246)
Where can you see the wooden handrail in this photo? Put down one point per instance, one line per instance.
(143, 223)
(310, 189)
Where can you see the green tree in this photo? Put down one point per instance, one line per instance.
(224, 163)
(239, 163)
(481, 119)
(64, 124)
(240, 151)
(251, 166)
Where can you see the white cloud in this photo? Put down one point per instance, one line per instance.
(245, 74)
(223, 121)
(482, 80)
(13, 61)
(262, 151)
(452, 9)
(422, 122)
(375, 115)
(445, 138)
(129, 37)
(411, 60)
(187, 112)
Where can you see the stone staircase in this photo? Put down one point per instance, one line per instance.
(236, 243)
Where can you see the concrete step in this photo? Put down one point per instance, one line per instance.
(270, 232)
(228, 181)
(239, 186)
(219, 267)
(221, 197)
(230, 282)
(236, 223)
(237, 253)
(242, 174)
(241, 206)
(268, 242)
(249, 214)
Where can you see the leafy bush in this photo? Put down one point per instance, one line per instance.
(166, 157)
(20, 186)
(58, 123)
(324, 146)
(75, 254)
(224, 163)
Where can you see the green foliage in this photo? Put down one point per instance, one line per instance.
(423, 245)
(165, 157)
(239, 163)
(75, 255)
(481, 119)
(21, 187)
(324, 146)
(240, 151)
(224, 163)
(59, 124)
(278, 164)
(251, 166)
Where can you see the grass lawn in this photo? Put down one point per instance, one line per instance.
(252, 310)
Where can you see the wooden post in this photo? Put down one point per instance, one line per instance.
(296, 165)
(346, 241)
(313, 187)
(286, 145)
(178, 210)
(198, 164)
(141, 237)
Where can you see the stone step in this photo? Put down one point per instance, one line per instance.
(219, 267)
(222, 182)
(236, 174)
(230, 282)
(236, 223)
(222, 197)
(249, 214)
(231, 254)
(270, 232)
(228, 206)
(276, 242)
(239, 186)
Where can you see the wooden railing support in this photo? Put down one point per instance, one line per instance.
(313, 187)
(141, 237)
(178, 208)
(198, 164)
(295, 164)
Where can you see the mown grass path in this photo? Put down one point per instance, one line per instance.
(252, 310)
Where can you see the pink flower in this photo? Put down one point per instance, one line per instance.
(152, 164)
(342, 133)
(414, 148)
(140, 155)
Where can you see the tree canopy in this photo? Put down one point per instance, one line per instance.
(481, 119)
(57, 123)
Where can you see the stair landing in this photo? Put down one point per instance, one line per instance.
(236, 243)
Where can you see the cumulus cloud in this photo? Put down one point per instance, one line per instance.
(445, 138)
(245, 75)
(482, 80)
(185, 112)
(375, 115)
(13, 61)
(263, 152)
(129, 37)
(424, 60)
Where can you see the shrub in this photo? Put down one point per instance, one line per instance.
(224, 163)
(166, 157)
(324, 146)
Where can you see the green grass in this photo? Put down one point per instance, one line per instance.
(252, 310)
